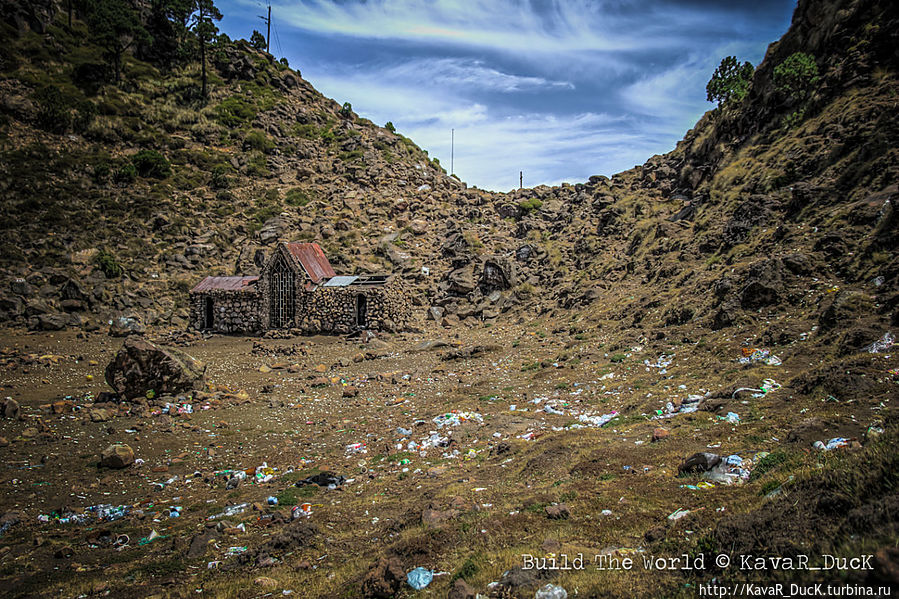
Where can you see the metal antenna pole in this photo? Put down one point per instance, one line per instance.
(452, 151)
(268, 29)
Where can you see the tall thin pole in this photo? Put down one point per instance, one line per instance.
(520, 179)
(452, 151)
(268, 32)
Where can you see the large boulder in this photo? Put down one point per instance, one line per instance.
(141, 366)
(117, 455)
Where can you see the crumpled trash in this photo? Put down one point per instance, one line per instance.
(882, 344)
(419, 578)
(151, 537)
(687, 406)
(356, 448)
(678, 514)
(593, 420)
(732, 470)
(767, 386)
(752, 355)
(731, 417)
(835, 443)
(231, 510)
(455, 418)
(551, 591)
(301, 511)
(552, 410)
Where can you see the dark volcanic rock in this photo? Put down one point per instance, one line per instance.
(384, 580)
(141, 366)
(699, 462)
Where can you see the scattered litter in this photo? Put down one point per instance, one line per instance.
(882, 344)
(593, 420)
(767, 386)
(419, 578)
(356, 448)
(752, 355)
(231, 510)
(731, 417)
(236, 550)
(551, 591)
(687, 406)
(301, 511)
(678, 514)
(835, 443)
(151, 537)
(455, 418)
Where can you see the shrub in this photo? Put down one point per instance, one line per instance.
(298, 197)
(796, 76)
(730, 81)
(85, 112)
(528, 206)
(107, 263)
(150, 163)
(258, 140)
(389, 126)
(101, 173)
(220, 178)
(126, 175)
(53, 112)
(234, 112)
(347, 110)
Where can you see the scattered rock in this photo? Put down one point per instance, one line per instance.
(9, 408)
(117, 455)
(659, 433)
(557, 511)
(141, 366)
(384, 580)
(699, 462)
(461, 590)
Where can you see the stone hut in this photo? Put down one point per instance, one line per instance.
(226, 305)
(298, 288)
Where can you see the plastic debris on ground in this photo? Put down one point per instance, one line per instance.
(595, 420)
(731, 417)
(732, 470)
(419, 578)
(356, 448)
(236, 550)
(767, 386)
(835, 443)
(882, 344)
(753, 355)
(301, 511)
(551, 591)
(687, 406)
(678, 514)
(455, 418)
(231, 510)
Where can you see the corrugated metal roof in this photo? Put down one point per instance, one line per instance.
(226, 283)
(342, 281)
(312, 259)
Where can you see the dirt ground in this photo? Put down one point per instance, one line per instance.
(466, 448)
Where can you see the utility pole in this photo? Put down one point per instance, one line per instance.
(452, 150)
(520, 179)
(268, 28)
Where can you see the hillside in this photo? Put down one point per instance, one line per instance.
(582, 353)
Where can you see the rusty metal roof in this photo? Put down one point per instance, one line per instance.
(226, 284)
(312, 259)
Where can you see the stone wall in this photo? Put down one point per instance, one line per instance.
(233, 311)
(333, 309)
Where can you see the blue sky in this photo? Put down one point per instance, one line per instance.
(559, 89)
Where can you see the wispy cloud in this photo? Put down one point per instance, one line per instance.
(561, 89)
